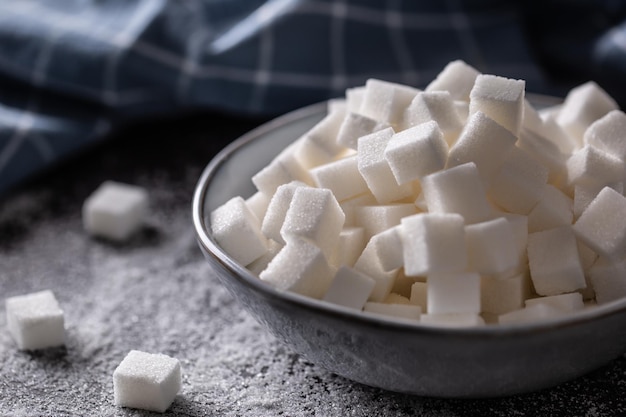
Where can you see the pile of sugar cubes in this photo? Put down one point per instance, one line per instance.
(458, 205)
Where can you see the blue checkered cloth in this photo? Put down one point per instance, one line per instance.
(71, 70)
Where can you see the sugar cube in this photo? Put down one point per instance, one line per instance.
(500, 98)
(457, 78)
(147, 381)
(354, 126)
(342, 177)
(349, 247)
(35, 320)
(416, 152)
(377, 219)
(491, 247)
(590, 166)
(403, 311)
(385, 101)
(554, 263)
(349, 288)
(452, 320)
(238, 231)
(457, 190)
(608, 280)
(277, 210)
(533, 313)
(554, 209)
(434, 106)
(433, 243)
(115, 210)
(601, 226)
(607, 133)
(457, 292)
(567, 302)
(499, 296)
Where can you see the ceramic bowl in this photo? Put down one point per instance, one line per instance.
(489, 361)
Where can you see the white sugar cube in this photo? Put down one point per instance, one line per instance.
(531, 314)
(369, 264)
(349, 288)
(483, 142)
(419, 295)
(500, 98)
(457, 190)
(607, 133)
(238, 231)
(545, 152)
(567, 302)
(554, 209)
(377, 219)
(453, 293)
(433, 243)
(375, 169)
(315, 214)
(388, 246)
(147, 381)
(350, 246)
(258, 203)
(354, 126)
(519, 183)
(301, 267)
(608, 280)
(115, 211)
(584, 105)
(585, 194)
(350, 207)
(386, 101)
(452, 320)
(320, 142)
(554, 263)
(437, 106)
(354, 98)
(403, 311)
(457, 78)
(35, 320)
(416, 152)
(591, 166)
(499, 296)
(601, 226)
(277, 210)
(342, 177)
(283, 169)
(491, 247)
(519, 225)
(261, 263)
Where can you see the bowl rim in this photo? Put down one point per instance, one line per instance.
(244, 276)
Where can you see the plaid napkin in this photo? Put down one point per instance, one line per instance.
(70, 70)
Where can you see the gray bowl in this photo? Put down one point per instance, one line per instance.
(494, 360)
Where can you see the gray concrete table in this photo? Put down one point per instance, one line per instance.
(157, 294)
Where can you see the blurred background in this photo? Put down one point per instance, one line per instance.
(72, 72)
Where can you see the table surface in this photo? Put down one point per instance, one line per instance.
(156, 293)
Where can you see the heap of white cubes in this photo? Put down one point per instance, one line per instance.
(459, 205)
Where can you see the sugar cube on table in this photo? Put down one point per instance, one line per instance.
(115, 210)
(35, 320)
(375, 169)
(349, 288)
(483, 142)
(433, 243)
(500, 98)
(607, 133)
(601, 226)
(454, 292)
(147, 381)
(238, 231)
(554, 262)
(300, 266)
(416, 152)
(457, 190)
(457, 78)
(584, 105)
